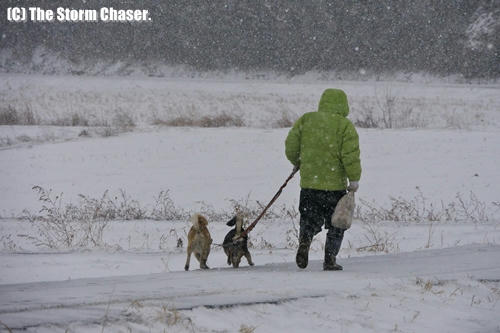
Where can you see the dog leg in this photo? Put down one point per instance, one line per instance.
(188, 259)
(236, 261)
(203, 264)
(228, 254)
(204, 258)
(249, 258)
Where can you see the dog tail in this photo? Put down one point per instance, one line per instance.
(198, 220)
(195, 220)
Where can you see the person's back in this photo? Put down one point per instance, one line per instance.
(325, 145)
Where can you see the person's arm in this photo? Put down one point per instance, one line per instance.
(292, 144)
(350, 153)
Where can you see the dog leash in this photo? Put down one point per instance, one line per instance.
(251, 226)
(222, 245)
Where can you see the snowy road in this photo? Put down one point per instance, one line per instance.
(94, 300)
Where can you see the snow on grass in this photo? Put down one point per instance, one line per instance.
(145, 101)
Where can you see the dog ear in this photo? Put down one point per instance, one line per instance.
(232, 221)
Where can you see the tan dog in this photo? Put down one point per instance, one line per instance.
(199, 241)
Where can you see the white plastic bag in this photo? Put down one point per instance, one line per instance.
(342, 217)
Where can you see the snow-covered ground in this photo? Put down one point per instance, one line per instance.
(400, 276)
(436, 291)
(142, 247)
(216, 165)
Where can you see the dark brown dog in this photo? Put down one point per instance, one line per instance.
(199, 241)
(236, 249)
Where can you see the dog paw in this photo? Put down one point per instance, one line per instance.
(251, 263)
(186, 268)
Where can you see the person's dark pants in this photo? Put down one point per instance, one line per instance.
(316, 208)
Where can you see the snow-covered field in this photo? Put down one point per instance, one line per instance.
(413, 275)
(215, 165)
(265, 104)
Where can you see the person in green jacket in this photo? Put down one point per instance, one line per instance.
(325, 146)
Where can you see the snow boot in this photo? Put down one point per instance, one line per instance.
(334, 239)
(330, 263)
(302, 257)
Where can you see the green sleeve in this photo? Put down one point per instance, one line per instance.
(292, 143)
(350, 153)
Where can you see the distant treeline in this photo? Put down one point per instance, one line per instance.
(291, 36)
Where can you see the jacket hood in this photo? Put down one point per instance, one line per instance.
(335, 101)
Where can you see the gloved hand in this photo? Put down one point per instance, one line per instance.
(353, 186)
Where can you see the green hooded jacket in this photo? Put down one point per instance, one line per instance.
(325, 145)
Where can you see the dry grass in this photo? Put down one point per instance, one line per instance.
(11, 116)
(418, 209)
(428, 285)
(165, 208)
(377, 240)
(172, 317)
(247, 329)
(388, 111)
(284, 122)
(220, 120)
(123, 120)
(61, 225)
